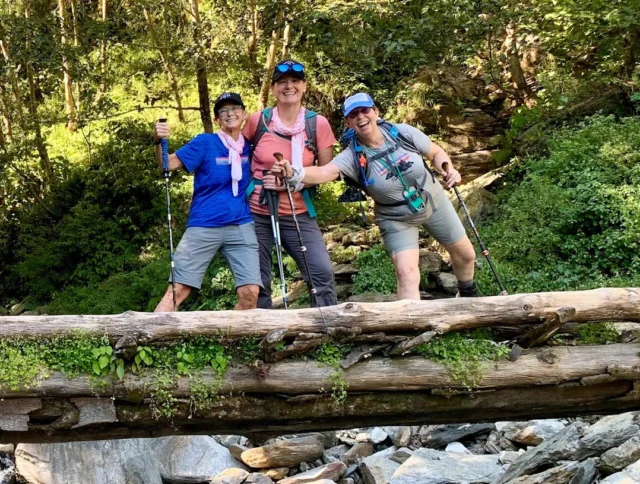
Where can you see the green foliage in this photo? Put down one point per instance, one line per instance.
(330, 211)
(330, 354)
(571, 220)
(597, 334)
(375, 272)
(464, 354)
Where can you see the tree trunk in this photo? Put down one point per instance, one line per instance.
(253, 27)
(286, 34)
(70, 109)
(103, 8)
(524, 92)
(292, 397)
(5, 114)
(399, 317)
(201, 70)
(41, 146)
(15, 90)
(166, 62)
(268, 67)
(76, 44)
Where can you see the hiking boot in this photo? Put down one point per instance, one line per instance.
(471, 291)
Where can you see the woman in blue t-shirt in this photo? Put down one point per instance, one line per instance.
(219, 218)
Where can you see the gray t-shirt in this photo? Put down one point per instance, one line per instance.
(386, 187)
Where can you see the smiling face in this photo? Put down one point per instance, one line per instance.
(289, 90)
(231, 116)
(363, 121)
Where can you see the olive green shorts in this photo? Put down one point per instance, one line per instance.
(443, 224)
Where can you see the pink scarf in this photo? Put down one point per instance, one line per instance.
(235, 157)
(296, 132)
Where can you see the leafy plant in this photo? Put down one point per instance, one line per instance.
(375, 272)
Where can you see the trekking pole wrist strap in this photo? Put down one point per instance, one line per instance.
(297, 177)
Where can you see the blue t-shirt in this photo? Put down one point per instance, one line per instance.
(213, 203)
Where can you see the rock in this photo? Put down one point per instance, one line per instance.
(448, 282)
(428, 466)
(192, 456)
(437, 436)
(276, 473)
(377, 435)
(86, 462)
(533, 432)
(401, 455)
(305, 466)
(331, 471)
(7, 448)
(629, 475)
(509, 457)
(230, 476)
(430, 261)
(7, 469)
(372, 297)
(571, 472)
(575, 443)
(229, 440)
(358, 451)
(618, 458)
(286, 453)
(323, 481)
(348, 480)
(378, 468)
(457, 447)
(257, 478)
(344, 269)
(236, 451)
(111, 461)
(336, 452)
(400, 436)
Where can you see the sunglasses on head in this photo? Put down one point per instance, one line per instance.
(354, 114)
(290, 67)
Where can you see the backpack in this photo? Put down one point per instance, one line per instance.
(310, 123)
(357, 188)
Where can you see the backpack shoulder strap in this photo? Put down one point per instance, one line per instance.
(310, 127)
(404, 141)
(261, 129)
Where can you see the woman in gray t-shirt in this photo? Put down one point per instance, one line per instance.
(387, 160)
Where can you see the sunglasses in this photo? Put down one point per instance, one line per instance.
(290, 67)
(354, 114)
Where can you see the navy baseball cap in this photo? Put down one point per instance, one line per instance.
(359, 100)
(288, 67)
(227, 98)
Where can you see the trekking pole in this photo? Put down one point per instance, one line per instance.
(272, 203)
(164, 143)
(303, 248)
(483, 248)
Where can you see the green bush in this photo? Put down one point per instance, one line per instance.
(375, 272)
(571, 220)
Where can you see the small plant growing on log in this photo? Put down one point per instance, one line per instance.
(330, 355)
(463, 354)
(597, 334)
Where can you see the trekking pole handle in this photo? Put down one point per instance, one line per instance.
(278, 156)
(164, 144)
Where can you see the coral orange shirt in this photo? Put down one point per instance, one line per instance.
(263, 160)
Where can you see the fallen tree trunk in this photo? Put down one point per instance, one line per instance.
(293, 396)
(441, 316)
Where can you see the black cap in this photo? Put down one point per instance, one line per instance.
(297, 73)
(226, 98)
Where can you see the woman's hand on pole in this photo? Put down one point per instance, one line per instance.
(450, 175)
(269, 182)
(161, 130)
(282, 168)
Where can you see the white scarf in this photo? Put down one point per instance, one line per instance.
(296, 132)
(235, 148)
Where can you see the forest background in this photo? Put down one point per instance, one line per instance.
(82, 204)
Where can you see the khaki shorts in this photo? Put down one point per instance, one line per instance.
(238, 244)
(443, 224)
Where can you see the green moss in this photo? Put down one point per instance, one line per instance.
(464, 354)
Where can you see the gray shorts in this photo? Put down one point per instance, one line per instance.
(238, 244)
(443, 224)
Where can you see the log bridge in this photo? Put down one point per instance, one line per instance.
(386, 383)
